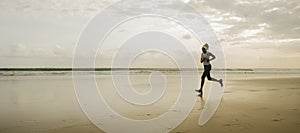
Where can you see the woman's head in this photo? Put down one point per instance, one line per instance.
(205, 48)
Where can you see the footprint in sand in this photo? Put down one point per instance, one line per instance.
(228, 92)
(183, 131)
(254, 90)
(293, 88)
(234, 124)
(273, 89)
(277, 119)
(227, 125)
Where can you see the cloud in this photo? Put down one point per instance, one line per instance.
(282, 17)
(237, 20)
(28, 51)
(30, 28)
(52, 7)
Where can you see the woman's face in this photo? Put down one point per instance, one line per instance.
(203, 50)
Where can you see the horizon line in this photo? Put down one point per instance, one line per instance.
(132, 68)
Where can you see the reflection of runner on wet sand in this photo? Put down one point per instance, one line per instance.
(206, 57)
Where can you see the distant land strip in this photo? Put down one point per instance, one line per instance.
(115, 69)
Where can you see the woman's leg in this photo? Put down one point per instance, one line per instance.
(204, 74)
(220, 81)
(213, 79)
(202, 80)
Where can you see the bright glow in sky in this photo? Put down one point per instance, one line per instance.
(253, 33)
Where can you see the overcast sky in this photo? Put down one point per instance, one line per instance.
(253, 33)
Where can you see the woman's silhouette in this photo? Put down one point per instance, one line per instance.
(206, 57)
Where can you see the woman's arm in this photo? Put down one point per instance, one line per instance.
(213, 57)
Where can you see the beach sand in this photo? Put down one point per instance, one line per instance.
(267, 102)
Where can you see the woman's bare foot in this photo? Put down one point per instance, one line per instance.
(221, 82)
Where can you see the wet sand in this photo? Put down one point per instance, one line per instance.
(251, 103)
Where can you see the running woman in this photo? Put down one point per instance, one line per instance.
(206, 57)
